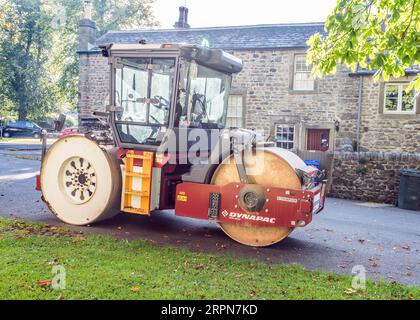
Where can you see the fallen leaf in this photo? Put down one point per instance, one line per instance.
(409, 274)
(28, 287)
(80, 238)
(135, 289)
(406, 248)
(199, 266)
(350, 291)
(374, 263)
(44, 283)
(298, 290)
(361, 241)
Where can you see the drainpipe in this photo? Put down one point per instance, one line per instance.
(359, 113)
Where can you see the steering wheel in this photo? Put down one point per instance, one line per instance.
(162, 104)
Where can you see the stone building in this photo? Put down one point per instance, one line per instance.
(344, 112)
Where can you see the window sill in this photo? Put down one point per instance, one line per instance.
(401, 116)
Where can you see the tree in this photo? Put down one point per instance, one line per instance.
(24, 50)
(380, 35)
(38, 49)
(108, 15)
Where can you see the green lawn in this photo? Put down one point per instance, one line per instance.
(99, 267)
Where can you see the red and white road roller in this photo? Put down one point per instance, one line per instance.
(172, 150)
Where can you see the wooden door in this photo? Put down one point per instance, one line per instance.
(318, 139)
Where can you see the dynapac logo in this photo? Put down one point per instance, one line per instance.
(244, 216)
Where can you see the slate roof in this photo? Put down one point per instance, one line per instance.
(278, 36)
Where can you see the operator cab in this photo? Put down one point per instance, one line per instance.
(157, 88)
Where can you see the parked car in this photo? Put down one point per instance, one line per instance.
(22, 129)
(69, 131)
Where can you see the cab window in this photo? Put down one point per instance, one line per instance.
(143, 88)
(203, 97)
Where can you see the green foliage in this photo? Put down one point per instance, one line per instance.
(99, 267)
(24, 49)
(381, 35)
(38, 50)
(108, 15)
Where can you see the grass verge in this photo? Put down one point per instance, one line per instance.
(99, 267)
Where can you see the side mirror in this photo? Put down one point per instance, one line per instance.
(59, 123)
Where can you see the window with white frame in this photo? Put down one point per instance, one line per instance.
(285, 137)
(235, 111)
(397, 100)
(302, 79)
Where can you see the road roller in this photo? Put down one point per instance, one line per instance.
(172, 150)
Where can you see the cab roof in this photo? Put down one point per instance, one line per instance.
(212, 58)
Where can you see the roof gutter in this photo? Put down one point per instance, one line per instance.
(359, 114)
(408, 72)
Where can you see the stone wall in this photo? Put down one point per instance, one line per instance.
(267, 78)
(370, 176)
(386, 132)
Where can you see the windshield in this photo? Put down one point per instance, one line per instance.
(202, 97)
(143, 89)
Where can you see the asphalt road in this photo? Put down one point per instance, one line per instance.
(385, 240)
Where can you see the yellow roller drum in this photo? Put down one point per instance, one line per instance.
(270, 167)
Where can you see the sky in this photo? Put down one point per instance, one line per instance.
(215, 13)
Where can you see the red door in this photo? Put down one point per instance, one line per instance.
(318, 139)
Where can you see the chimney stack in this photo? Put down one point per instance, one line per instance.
(182, 22)
(87, 28)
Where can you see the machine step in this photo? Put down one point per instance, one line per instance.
(136, 156)
(138, 175)
(137, 211)
(137, 193)
(137, 185)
